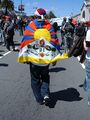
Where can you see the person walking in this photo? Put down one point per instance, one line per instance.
(79, 32)
(41, 50)
(9, 33)
(69, 34)
(87, 65)
(63, 31)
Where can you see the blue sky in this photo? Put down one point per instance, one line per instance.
(60, 8)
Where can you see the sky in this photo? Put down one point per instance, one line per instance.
(60, 8)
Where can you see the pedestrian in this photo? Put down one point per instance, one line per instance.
(9, 33)
(87, 64)
(79, 32)
(63, 31)
(21, 26)
(55, 26)
(42, 45)
(1, 28)
(77, 49)
(3, 31)
(40, 78)
(69, 34)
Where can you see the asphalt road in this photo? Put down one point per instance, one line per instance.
(69, 100)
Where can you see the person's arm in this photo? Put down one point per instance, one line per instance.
(87, 41)
(85, 47)
(54, 63)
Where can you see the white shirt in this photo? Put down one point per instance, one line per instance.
(88, 35)
(88, 40)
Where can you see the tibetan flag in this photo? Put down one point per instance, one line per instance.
(40, 44)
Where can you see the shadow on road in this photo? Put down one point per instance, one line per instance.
(57, 69)
(69, 94)
(81, 85)
(1, 55)
(2, 51)
(3, 64)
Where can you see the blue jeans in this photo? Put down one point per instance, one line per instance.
(87, 79)
(40, 81)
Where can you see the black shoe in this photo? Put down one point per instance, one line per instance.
(13, 49)
(8, 48)
(40, 102)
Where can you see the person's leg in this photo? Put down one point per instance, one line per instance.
(62, 38)
(4, 38)
(45, 81)
(1, 35)
(87, 80)
(66, 43)
(70, 42)
(35, 82)
(8, 43)
(12, 42)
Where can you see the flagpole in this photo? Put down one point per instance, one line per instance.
(21, 6)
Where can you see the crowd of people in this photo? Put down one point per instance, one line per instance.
(71, 34)
(8, 26)
(76, 40)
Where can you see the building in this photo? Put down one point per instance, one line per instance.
(85, 10)
(84, 14)
(77, 16)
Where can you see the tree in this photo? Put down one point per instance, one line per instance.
(7, 4)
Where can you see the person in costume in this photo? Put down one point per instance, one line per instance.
(40, 47)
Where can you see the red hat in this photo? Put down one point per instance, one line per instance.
(40, 12)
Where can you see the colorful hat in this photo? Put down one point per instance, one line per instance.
(40, 12)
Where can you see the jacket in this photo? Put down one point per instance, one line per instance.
(78, 50)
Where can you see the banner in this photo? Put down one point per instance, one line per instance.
(40, 45)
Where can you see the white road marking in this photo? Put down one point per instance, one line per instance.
(5, 54)
(16, 48)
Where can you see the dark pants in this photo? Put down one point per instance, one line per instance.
(9, 41)
(39, 81)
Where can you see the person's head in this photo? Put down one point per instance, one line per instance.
(40, 13)
(70, 19)
(7, 18)
(65, 19)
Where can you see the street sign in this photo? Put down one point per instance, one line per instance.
(21, 7)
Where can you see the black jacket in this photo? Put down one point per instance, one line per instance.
(78, 50)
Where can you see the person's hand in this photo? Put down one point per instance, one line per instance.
(27, 63)
(54, 63)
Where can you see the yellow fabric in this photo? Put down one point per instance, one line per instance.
(23, 59)
(39, 33)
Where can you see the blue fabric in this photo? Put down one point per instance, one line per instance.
(54, 36)
(26, 37)
(29, 28)
(39, 24)
(55, 45)
(87, 79)
(51, 30)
